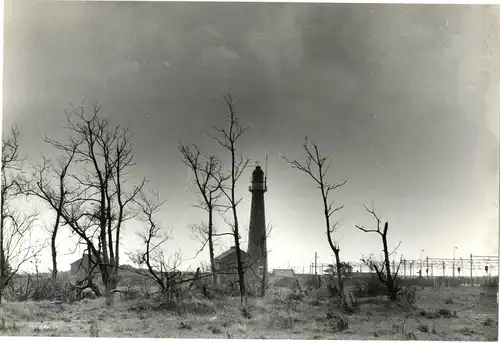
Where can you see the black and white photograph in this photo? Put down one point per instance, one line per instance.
(250, 170)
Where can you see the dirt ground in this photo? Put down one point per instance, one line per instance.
(446, 314)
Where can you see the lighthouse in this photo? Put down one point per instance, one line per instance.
(257, 246)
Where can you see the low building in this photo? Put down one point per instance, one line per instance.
(226, 266)
(283, 272)
(83, 265)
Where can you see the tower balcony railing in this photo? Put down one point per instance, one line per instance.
(257, 187)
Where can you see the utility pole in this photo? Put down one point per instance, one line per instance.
(427, 267)
(471, 279)
(421, 266)
(454, 261)
(444, 272)
(315, 263)
(404, 268)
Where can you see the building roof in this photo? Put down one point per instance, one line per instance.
(229, 252)
(85, 256)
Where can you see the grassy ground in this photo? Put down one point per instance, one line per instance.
(469, 315)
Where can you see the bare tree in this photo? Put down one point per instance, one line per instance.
(102, 158)
(56, 197)
(384, 273)
(16, 245)
(227, 138)
(152, 256)
(316, 165)
(208, 179)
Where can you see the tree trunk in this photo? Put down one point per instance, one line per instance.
(195, 278)
(391, 289)
(54, 250)
(211, 246)
(340, 282)
(2, 253)
(241, 270)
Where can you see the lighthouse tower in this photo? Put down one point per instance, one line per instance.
(257, 247)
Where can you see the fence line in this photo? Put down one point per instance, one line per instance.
(428, 267)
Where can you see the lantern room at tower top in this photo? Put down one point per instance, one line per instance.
(258, 182)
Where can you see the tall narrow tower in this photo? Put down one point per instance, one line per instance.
(257, 246)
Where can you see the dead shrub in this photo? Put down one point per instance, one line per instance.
(184, 326)
(295, 296)
(489, 322)
(93, 330)
(359, 290)
(246, 312)
(410, 336)
(277, 295)
(215, 329)
(296, 288)
(284, 321)
(467, 331)
(143, 306)
(445, 312)
(195, 306)
(253, 289)
(38, 287)
(409, 295)
(316, 296)
(353, 301)
(3, 326)
(429, 314)
(44, 288)
(423, 328)
(314, 302)
(131, 293)
(337, 323)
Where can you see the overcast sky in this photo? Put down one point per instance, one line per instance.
(405, 99)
